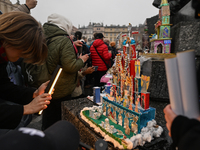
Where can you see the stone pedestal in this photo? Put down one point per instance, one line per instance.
(158, 82)
(185, 36)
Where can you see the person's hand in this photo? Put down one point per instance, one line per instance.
(37, 104)
(41, 89)
(78, 43)
(169, 117)
(198, 118)
(84, 57)
(31, 3)
(89, 70)
(71, 37)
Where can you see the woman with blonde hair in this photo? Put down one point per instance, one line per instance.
(21, 36)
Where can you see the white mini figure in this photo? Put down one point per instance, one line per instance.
(92, 113)
(107, 124)
(111, 129)
(95, 116)
(119, 132)
(120, 120)
(102, 124)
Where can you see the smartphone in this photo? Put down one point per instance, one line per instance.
(95, 68)
(89, 54)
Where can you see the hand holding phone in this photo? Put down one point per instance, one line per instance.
(95, 68)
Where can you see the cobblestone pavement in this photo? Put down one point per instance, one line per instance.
(36, 122)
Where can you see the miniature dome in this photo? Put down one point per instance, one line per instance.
(132, 41)
(124, 43)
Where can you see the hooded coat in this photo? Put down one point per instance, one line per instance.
(61, 51)
(102, 48)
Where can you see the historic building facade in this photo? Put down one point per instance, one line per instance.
(111, 32)
(7, 6)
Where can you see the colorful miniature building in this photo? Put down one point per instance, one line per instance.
(162, 42)
(126, 101)
(124, 116)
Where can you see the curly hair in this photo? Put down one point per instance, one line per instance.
(23, 32)
(112, 44)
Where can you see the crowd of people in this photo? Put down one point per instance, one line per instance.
(23, 40)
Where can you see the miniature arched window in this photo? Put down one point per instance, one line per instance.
(160, 48)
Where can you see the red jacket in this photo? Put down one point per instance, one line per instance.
(102, 48)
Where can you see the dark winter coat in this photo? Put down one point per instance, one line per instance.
(10, 115)
(185, 133)
(102, 48)
(61, 51)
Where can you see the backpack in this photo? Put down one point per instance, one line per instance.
(85, 49)
(14, 72)
(35, 75)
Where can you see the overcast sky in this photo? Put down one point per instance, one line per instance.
(81, 12)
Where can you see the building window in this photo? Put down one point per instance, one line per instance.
(110, 39)
(110, 34)
(115, 34)
(110, 29)
(106, 34)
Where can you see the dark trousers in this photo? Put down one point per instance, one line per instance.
(88, 80)
(97, 78)
(53, 112)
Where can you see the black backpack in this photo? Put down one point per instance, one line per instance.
(86, 50)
